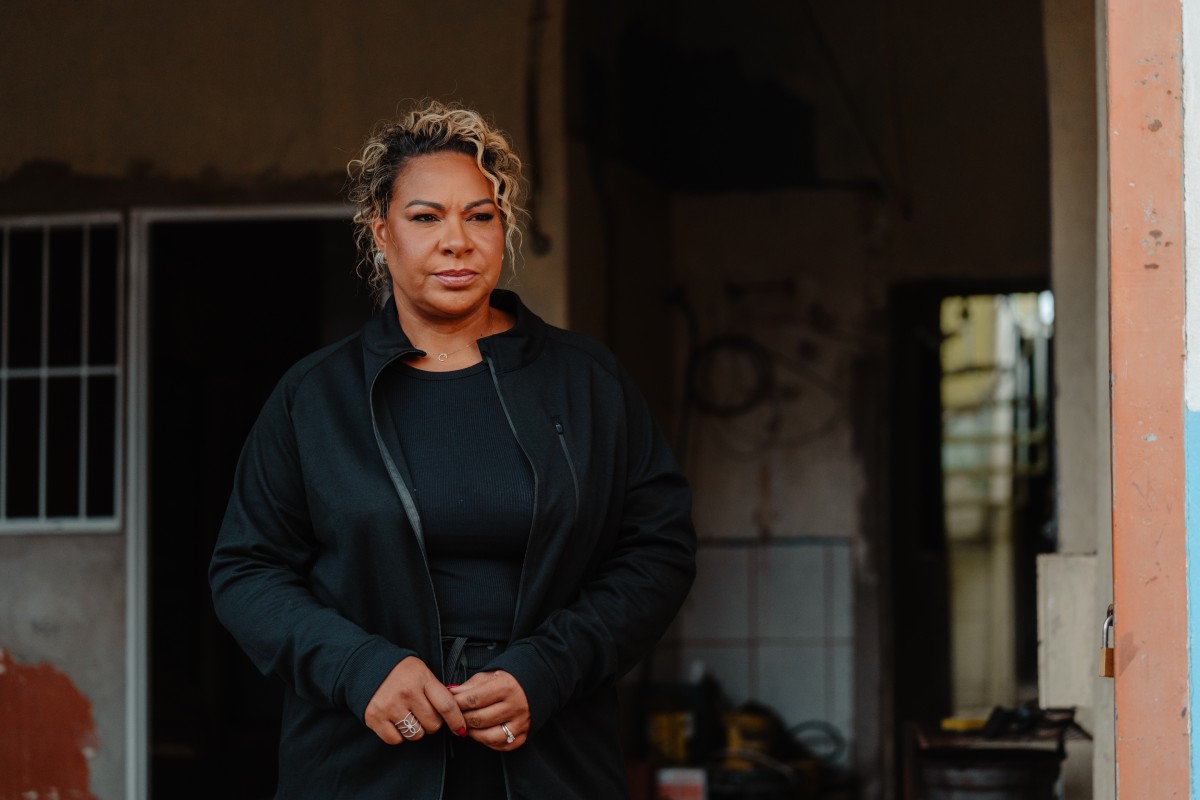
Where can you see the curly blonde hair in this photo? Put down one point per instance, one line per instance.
(432, 127)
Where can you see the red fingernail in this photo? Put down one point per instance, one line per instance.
(461, 731)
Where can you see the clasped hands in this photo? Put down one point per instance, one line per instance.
(490, 707)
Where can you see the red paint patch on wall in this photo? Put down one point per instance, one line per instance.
(46, 734)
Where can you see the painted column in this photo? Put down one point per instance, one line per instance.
(1145, 138)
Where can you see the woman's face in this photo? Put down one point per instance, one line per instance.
(443, 237)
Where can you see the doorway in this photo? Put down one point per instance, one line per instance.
(233, 301)
(972, 496)
(998, 490)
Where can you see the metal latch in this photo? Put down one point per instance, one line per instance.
(1106, 649)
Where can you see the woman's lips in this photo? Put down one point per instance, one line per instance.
(456, 277)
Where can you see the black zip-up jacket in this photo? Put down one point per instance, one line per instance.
(320, 574)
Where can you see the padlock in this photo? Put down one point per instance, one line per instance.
(1107, 667)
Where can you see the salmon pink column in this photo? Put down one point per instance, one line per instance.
(1146, 228)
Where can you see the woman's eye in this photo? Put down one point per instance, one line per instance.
(423, 218)
(483, 217)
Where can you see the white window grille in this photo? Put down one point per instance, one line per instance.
(61, 374)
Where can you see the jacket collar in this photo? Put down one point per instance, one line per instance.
(384, 339)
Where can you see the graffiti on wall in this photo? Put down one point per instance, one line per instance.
(47, 734)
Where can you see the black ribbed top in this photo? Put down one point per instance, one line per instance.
(474, 491)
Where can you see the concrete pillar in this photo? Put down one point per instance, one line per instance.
(1147, 356)
(1072, 600)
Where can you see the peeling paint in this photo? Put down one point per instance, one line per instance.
(49, 734)
(1150, 437)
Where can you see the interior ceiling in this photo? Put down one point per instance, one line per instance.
(760, 92)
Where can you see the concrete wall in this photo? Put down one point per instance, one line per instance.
(227, 102)
(1075, 586)
(779, 488)
(968, 85)
(62, 609)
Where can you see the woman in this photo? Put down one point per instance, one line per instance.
(451, 533)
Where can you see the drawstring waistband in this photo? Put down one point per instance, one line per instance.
(462, 658)
(456, 664)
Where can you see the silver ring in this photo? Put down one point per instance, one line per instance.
(508, 735)
(408, 727)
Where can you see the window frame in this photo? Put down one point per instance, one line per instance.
(43, 523)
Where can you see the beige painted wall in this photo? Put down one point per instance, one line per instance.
(256, 94)
(240, 89)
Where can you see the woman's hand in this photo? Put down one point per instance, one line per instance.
(495, 708)
(410, 703)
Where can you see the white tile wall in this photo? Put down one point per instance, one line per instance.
(840, 615)
(791, 595)
(794, 680)
(841, 695)
(719, 604)
(728, 663)
(773, 622)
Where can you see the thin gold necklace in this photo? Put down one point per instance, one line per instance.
(446, 355)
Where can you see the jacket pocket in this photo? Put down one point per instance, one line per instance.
(562, 441)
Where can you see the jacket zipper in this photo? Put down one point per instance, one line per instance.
(533, 524)
(410, 507)
(536, 487)
(414, 519)
(562, 441)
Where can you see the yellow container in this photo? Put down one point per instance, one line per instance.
(670, 734)
(748, 730)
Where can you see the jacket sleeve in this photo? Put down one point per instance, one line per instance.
(257, 574)
(627, 604)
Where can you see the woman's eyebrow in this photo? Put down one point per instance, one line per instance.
(473, 204)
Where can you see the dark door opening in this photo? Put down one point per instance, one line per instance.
(972, 497)
(233, 304)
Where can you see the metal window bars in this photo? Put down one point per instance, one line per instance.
(61, 373)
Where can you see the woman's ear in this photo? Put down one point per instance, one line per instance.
(379, 231)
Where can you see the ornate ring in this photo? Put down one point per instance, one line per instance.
(508, 735)
(408, 727)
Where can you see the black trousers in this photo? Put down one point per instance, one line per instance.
(473, 771)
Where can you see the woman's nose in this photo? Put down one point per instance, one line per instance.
(455, 239)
